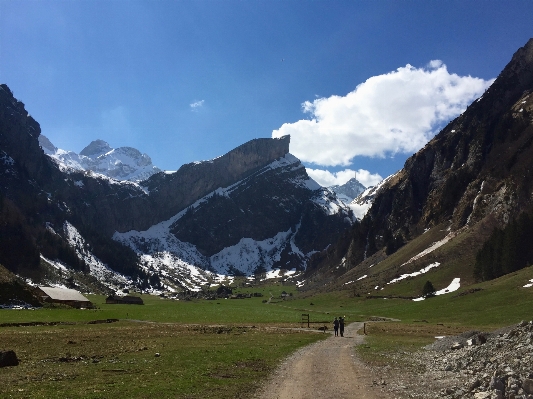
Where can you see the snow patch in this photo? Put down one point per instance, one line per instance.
(98, 269)
(454, 286)
(431, 248)
(414, 274)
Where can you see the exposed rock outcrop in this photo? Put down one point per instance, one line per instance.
(500, 367)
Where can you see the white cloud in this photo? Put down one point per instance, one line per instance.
(326, 178)
(196, 105)
(393, 113)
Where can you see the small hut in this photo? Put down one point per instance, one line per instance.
(65, 296)
(128, 300)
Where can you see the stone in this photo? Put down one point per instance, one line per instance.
(8, 359)
(527, 386)
(497, 394)
(474, 385)
(496, 383)
(482, 395)
(457, 345)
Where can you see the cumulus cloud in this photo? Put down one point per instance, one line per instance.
(196, 105)
(326, 178)
(397, 112)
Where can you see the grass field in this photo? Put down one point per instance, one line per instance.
(207, 349)
(224, 348)
(143, 360)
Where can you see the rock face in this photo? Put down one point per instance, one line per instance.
(173, 192)
(484, 151)
(477, 167)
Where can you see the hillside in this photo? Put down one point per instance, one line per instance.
(15, 292)
(472, 177)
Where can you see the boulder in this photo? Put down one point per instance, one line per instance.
(457, 345)
(527, 386)
(8, 359)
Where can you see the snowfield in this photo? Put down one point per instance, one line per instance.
(454, 286)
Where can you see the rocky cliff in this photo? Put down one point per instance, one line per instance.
(477, 169)
(485, 149)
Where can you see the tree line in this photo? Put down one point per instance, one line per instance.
(507, 250)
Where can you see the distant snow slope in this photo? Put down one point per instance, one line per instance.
(348, 191)
(98, 269)
(124, 163)
(162, 251)
(363, 202)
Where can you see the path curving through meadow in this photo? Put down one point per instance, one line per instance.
(326, 369)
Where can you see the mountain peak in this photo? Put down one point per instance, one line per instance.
(123, 163)
(96, 148)
(348, 191)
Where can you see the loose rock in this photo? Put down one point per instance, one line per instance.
(8, 359)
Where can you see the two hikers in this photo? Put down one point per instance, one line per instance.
(338, 324)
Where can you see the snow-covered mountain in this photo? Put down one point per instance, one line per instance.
(362, 203)
(123, 163)
(258, 223)
(250, 211)
(348, 191)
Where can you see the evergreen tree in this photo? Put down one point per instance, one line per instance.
(428, 290)
(507, 250)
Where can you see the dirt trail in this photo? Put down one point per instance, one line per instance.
(326, 369)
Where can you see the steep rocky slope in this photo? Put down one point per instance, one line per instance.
(473, 176)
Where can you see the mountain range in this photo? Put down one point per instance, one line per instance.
(248, 211)
(124, 163)
(107, 218)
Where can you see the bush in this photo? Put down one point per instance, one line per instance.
(428, 291)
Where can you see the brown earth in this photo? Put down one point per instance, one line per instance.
(326, 369)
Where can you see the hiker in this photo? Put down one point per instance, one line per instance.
(341, 325)
(336, 326)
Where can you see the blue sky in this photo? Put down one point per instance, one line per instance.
(360, 85)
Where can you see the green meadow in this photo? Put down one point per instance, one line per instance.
(224, 348)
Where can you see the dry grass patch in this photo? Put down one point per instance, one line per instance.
(392, 344)
(143, 360)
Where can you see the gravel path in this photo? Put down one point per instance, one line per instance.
(326, 369)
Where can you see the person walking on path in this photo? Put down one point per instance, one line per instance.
(341, 325)
(336, 326)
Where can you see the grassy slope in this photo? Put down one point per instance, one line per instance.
(500, 302)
